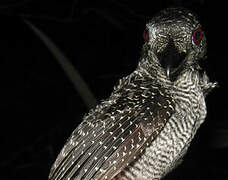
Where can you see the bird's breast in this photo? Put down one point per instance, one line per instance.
(166, 151)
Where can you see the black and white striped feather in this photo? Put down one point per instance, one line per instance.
(116, 132)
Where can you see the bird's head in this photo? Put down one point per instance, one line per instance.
(176, 40)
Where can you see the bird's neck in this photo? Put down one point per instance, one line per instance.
(147, 67)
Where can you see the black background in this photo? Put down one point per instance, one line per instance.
(103, 39)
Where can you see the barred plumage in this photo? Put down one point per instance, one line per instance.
(172, 143)
(144, 128)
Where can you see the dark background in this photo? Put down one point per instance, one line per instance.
(103, 39)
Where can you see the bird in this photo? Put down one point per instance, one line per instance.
(143, 130)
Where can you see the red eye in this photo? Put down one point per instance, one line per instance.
(145, 35)
(197, 35)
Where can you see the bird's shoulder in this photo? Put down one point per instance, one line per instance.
(117, 130)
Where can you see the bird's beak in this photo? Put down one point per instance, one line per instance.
(171, 60)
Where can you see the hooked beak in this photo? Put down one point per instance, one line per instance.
(171, 60)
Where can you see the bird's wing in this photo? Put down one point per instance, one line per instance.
(113, 136)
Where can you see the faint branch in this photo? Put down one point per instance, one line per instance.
(13, 5)
(73, 75)
(108, 17)
(73, 9)
(128, 10)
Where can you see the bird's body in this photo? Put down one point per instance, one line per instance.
(167, 150)
(144, 128)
